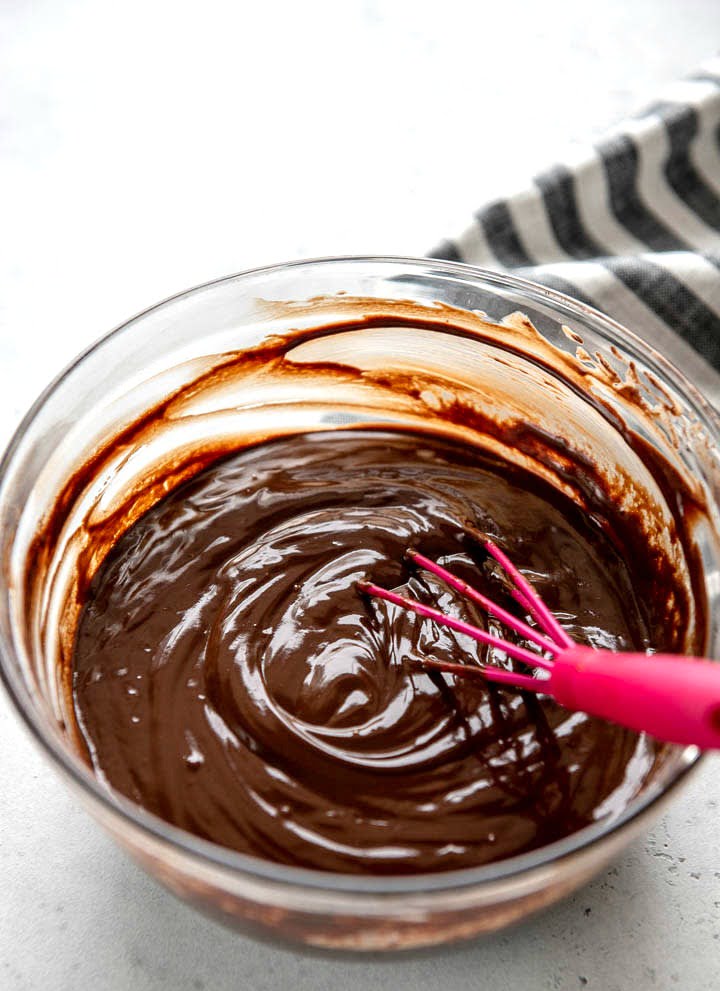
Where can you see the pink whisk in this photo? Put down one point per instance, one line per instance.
(673, 698)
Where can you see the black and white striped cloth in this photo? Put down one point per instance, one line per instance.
(630, 226)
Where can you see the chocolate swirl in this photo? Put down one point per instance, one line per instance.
(229, 677)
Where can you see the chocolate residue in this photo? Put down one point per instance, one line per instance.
(508, 421)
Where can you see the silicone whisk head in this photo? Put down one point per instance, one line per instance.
(548, 635)
(674, 698)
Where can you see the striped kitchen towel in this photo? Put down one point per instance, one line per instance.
(630, 226)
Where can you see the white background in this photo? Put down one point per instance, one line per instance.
(147, 146)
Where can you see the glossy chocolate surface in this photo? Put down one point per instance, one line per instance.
(228, 676)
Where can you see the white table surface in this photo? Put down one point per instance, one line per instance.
(149, 145)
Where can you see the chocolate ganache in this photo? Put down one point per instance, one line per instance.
(228, 676)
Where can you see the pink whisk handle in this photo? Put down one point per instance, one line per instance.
(676, 699)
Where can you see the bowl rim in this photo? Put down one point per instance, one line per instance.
(216, 856)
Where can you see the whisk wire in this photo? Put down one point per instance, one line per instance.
(492, 608)
(529, 597)
(459, 625)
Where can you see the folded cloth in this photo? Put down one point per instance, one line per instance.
(630, 226)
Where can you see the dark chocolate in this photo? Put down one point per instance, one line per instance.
(229, 677)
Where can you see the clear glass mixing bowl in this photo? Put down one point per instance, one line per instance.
(134, 367)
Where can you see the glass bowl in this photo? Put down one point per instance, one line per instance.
(621, 387)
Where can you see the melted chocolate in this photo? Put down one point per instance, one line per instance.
(228, 676)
